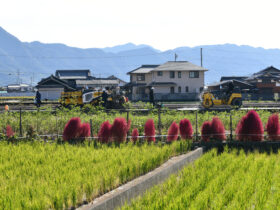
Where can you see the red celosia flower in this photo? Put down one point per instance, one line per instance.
(206, 131)
(273, 127)
(186, 130)
(9, 131)
(84, 130)
(119, 129)
(173, 132)
(104, 133)
(217, 129)
(150, 130)
(250, 127)
(72, 129)
(135, 134)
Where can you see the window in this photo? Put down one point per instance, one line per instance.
(179, 74)
(179, 89)
(140, 77)
(159, 73)
(194, 74)
(172, 74)
(187, 89)
(201, 89)
(171, 90)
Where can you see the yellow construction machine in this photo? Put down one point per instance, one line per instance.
(219, 98)
(80, 98)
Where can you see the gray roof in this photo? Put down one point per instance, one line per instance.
(98, 82)
(143, 69)
(179, 66)
(228, 81)
(72, 74)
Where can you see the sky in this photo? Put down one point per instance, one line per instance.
(159, 23)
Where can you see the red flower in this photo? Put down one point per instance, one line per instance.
(150, 130)
(250, 127)
(119, 129)
(185, 128)
(173, 132)
(135, 134)
(206, 131)
(104, 133)
(9, 131)
(217, 129)
(273, 127)
(72, 129)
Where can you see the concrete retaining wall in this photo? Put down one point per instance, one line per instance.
(139, 185)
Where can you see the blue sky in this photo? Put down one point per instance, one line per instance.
(159, 23)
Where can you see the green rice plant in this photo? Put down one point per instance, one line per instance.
(38, 175)
(231, 180)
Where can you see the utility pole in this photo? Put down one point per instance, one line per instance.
(201, 64)
(18, 79)
(175, 57)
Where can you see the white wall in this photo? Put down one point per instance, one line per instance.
(50, 93)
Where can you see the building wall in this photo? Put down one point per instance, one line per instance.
(50, 93)
(194, 84)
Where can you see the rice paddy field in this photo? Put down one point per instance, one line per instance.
(38, 175)
(231, 180)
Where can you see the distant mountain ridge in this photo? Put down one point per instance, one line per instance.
(43, 59)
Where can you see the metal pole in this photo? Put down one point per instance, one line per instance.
(196, 127)
(159, 121)
(230, 123)
(201, 64)
(20, 123)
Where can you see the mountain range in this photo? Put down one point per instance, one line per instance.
(28, 61)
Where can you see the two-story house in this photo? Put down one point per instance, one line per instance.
(180, 80)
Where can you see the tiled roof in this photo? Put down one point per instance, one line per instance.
(179, 66)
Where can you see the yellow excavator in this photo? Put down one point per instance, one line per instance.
(231, 97)
(82, 97)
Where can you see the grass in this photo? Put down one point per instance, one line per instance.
(38, 175)
(226, 181)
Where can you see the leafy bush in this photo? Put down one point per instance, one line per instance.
(273, 127)
(206, 131)
(104, 134)
(84, 131)
(135, 134)
(119, 129)
(250, 127)
(186, 130)
(9, 131)
(217, 129)
(71, 129)
(173, 132)
(150, 130)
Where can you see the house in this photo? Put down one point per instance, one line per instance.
(243, 86)
(71, 80)
(173, 80)
(19, 88)
(266, 83)
(51, 87)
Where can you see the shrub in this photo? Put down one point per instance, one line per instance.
(150, 130)
(135, 135)
(206, 131)
(186, 130)
(119, 129)
(72, 129)
(9, 131)
(273, 127)
(84, 130)
(217, 129)
(104, 133)
(173, 132)
(250, 127)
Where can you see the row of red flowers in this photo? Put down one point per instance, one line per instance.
(249, 128)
